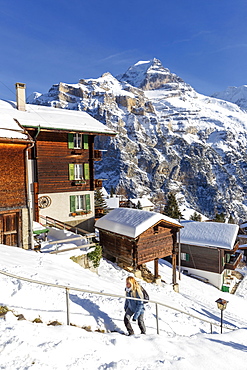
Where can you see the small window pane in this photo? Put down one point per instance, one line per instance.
(80, 202)
(77, 141)
(78, 172)
(185, 257)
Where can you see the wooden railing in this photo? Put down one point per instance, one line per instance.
(232, 264)
(49, 221)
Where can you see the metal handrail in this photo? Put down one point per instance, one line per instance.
(68, 288)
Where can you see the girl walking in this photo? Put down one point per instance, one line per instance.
(133, 307)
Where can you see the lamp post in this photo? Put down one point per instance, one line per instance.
(221, 303)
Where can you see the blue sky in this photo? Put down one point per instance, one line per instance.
(50, 41)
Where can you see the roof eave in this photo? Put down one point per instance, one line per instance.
(111, 133)
(15, 140)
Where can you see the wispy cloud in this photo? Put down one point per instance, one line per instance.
(231, 46)
(118, 55)
(192, 37)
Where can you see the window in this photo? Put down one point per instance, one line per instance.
(78, 174)
(77, 141)
(80, 203)
(185, 257)
(79, 171)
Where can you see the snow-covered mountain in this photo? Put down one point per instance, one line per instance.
(170, 138)
(236, 95)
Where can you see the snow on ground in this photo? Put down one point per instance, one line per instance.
(184, 342)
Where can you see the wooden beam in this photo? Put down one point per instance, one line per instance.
(156, 268)
(174, 280)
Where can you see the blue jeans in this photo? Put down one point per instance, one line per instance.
(140, 320)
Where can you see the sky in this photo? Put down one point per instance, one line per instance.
(183, 343)
(47, 42)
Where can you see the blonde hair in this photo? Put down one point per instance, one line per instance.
(135, 286)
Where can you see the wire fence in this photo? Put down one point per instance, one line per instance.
(157, 304)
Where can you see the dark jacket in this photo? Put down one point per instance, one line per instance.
(137, 307)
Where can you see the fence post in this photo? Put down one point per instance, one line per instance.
(67, 305)
(157, 318)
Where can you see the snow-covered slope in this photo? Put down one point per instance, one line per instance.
(184, 342)
(170, 138)
(236, 95)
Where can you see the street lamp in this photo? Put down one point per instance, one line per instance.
(221, 303)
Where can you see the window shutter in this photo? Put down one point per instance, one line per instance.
(187, 257)
(71, 171)
(71, 141)
(88, 206)
(86, 171)
(85, 141)
(72, 203)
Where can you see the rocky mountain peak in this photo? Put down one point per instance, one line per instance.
(170, 138)
(149, 75)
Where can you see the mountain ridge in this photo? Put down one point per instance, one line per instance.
(170, 138)
(236, 95)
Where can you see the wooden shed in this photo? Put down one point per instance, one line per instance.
(134, 237)
(208, 250)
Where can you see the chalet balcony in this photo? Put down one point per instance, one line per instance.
(98, 183)
(233, 261)
(97, 155)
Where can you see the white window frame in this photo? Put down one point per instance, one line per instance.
(80, 203)
(78, 141)
(78, 171)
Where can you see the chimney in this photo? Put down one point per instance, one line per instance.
(20, 96)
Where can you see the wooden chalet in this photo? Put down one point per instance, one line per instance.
(133, 237)
(61, 161)
(208, 250)
(14, 216)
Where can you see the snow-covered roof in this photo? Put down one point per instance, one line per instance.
(104, 192)
(145, 202)
(10, 129)
(209, 234)
(52, 118)
(131, 222)
(112, 202)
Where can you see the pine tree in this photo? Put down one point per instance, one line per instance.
(196, 217)
(172, 209)
(219, 217)
(99, 203)
(231, 220)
